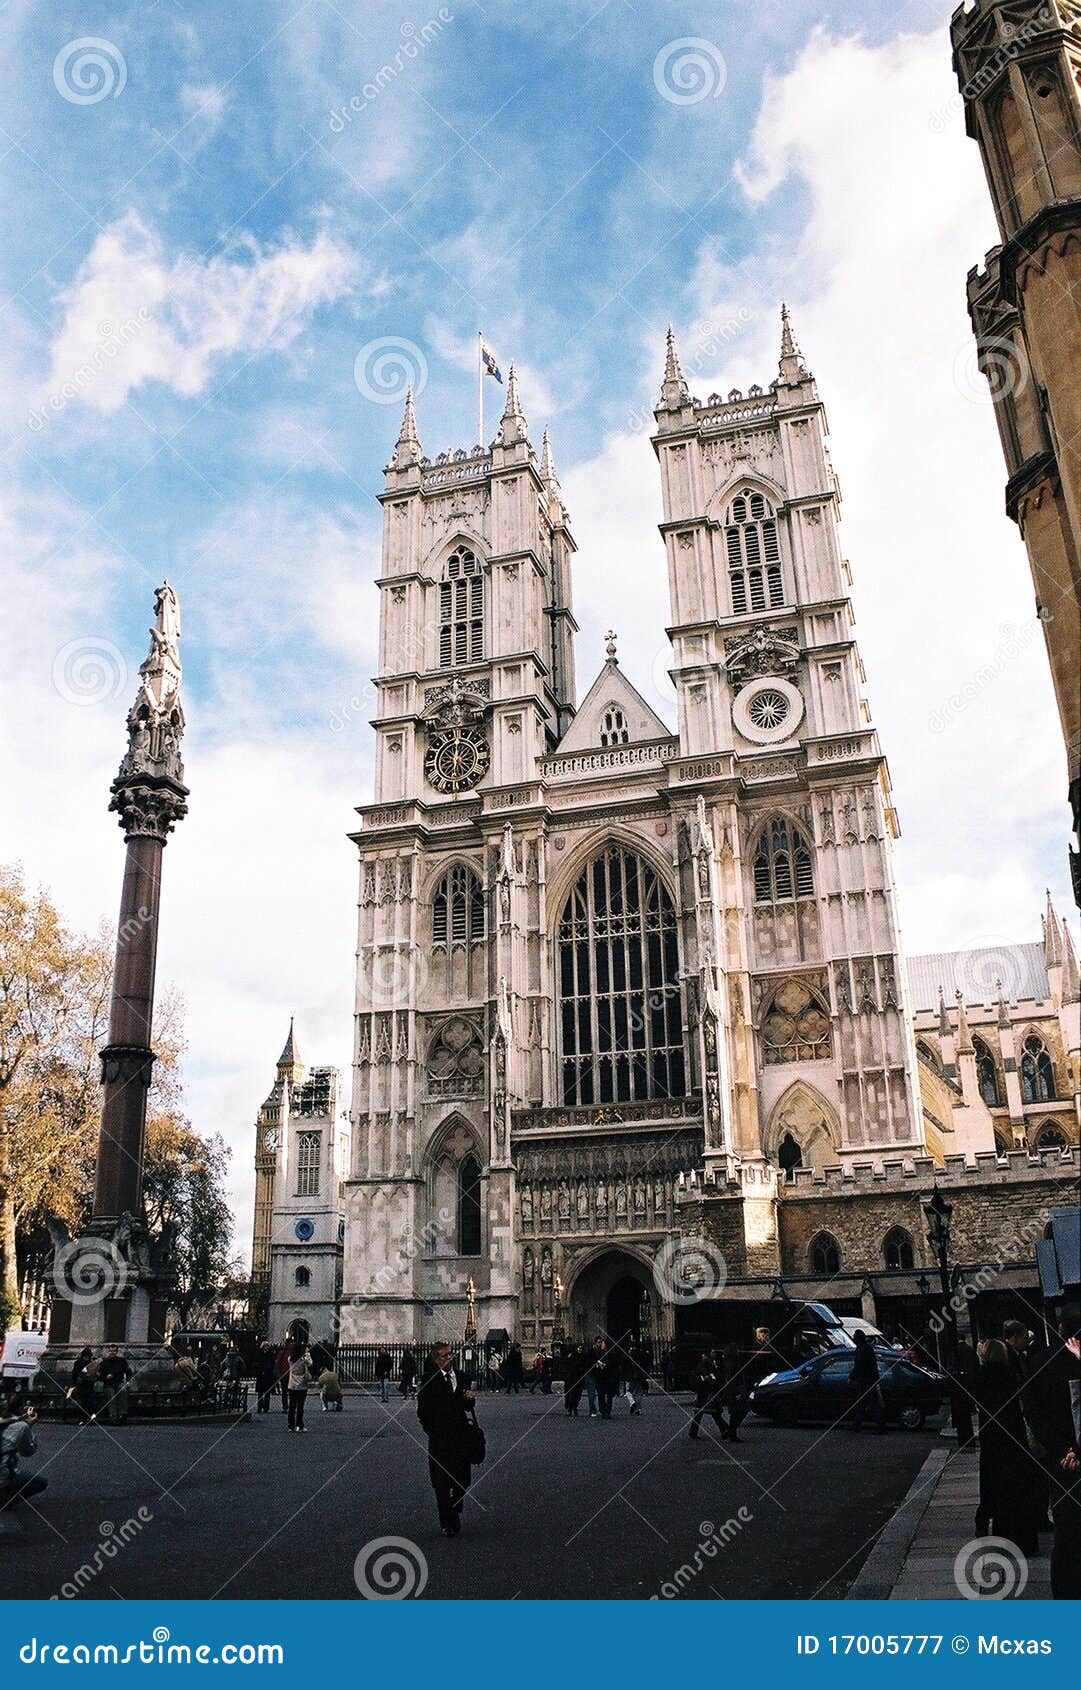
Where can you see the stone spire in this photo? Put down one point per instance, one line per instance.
(1071, 980)
(512, 425)
(964, 1037)
(674, 390)
(1052, 937)
(943, 1019)
(547, 465)
(149, 792)
(407, 452)
(791, 368)
(1003, 1012)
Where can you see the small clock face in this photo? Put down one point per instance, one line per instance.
(270, 1139)
(457, 759)
(305, 1231)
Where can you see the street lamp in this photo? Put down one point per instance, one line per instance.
(939, 1214)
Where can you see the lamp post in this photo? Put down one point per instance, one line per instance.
(558, 1334)
(939, 1214)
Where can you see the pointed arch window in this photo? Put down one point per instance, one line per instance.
(1037, 1072)
(929, 1055)
(302, 1278)
(614, 729)
(897, 1250)
(621, 1020)
(782, 864)
(753, 552)
(469, 1228)
(461, 610)
(458, 912)
(825, 1255)
(308, 1151)
(795, 1025)
(1051, 1137)
(987, 1075)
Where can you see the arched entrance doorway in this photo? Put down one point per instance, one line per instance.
(615, 1294)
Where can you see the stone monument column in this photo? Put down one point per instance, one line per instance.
(112, 1282)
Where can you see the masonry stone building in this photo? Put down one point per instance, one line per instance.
(605, 965)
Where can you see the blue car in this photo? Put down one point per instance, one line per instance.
(821, 1389)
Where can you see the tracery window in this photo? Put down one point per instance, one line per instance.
(897, 1249)
(1037, 1072)
(754, 558)
(620, 998)
(1051, 1137)
(614, 729)
(461, 610)
(987, 1075)
(782, 864)
(795, 1025)
(308, 1144)
(825, 1255)
(458, 908)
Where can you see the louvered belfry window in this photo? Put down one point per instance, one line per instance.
(782, 865)
(458, 908)
(461, 610)
(754, 555)
(621, 1017)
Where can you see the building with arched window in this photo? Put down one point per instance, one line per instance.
(611, 966)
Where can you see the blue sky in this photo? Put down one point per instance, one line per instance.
(217, 252)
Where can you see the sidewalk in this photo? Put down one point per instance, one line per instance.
(919, 1555)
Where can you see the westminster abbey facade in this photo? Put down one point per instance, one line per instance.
(603, 959)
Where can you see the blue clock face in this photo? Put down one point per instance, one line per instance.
(341, 1232)
(305, 1230)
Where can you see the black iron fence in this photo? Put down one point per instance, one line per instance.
(358, 1363)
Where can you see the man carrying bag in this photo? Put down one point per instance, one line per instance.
(455, 1440)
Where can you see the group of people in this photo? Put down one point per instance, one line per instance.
(602, 1371)
(112, 1371)
(288, 1371)
(1027, 1396)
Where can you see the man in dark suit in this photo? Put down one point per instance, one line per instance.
(1052, 1404)
(443, 1401)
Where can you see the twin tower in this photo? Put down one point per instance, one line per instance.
(597, 950)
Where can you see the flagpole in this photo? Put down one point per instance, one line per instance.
(480, 390)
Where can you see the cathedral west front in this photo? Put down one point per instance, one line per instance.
(622, 981)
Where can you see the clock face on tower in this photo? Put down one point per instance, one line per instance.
(457, 758)
(270, 1139)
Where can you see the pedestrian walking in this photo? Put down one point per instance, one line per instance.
(1005, 1501)
(515, 1369)
(445, 1410)
(17, 1442)
(865, 1385)
(734, 1395)
(962, 1378)
(114, 1371)
(636, 1375)
(1023, 1358)
(83, 1383)
(408, 1374)
(1053, 1407)
(606, 1369)
(265, 1376)
(707, 1393)
(232, 1366)
(384, 1367)
(281, 1372)
(590, 1356)
(299, 1379)
(536, 1372)
(330, 1391)
(573, 1380)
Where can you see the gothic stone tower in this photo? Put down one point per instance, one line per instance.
(1018, 63)
(594, 953)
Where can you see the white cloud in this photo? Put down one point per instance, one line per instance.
(203, 105)
(869, 141)
(133, 314)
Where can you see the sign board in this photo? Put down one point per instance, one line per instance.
(22, 1354)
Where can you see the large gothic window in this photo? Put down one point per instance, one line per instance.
(1037, 1072)
(782, 864)
(987, 1075)
(458, 908)
(461, 610)
(469, 1242)
(308, 1145)
(795, 1025)
(754, 558)
(825, 1255)
(897, 1249)
(620, 1001)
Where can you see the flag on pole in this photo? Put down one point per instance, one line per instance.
(487, 357)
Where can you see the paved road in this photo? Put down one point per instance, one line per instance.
(562, 1508)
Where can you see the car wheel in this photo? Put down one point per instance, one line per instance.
(911, 1418)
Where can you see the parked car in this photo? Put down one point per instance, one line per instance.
(820, 1389)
